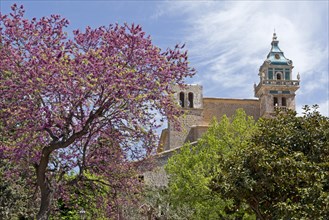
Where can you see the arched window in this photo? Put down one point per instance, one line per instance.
(284, 101)
(190, 100)
(182, 99)
(275, 101)
(278, 76)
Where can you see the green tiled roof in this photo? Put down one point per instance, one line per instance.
(276, 56)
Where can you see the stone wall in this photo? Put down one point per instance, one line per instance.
(158, 177)
(196, 120)
(191, 118)
(217, 107)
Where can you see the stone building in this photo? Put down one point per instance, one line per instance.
(276, 89)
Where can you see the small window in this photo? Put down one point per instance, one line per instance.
(275, 101)
(278, 76)
(182, 99)
(190, 100)
(284, 101)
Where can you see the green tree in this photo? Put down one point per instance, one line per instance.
(85, 197)
(285, 169)
(199, 174)
(17, 197)
(278, 168)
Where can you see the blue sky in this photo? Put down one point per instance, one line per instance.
(227, 41)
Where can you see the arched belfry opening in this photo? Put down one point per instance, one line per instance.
(284, 101)
(190, 100)
(182, 99)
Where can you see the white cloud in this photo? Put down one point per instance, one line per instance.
(228, 41)
(324, 108)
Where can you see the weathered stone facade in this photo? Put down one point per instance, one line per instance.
(276, 89)
(195, 121)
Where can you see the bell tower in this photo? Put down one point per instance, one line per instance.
(190, 100)
(276, 88)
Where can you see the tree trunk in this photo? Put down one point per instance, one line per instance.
(44, 211)
(254, 205)
(45, 188)
(150, 213)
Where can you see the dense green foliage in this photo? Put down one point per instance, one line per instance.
(285, 169)
(83, 198)
(196, 170)
(277, 168)
(15, 195)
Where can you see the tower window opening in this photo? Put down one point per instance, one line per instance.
(190, 100)
(275, 101)
(278, 76)
(182, 99)
(284, 101)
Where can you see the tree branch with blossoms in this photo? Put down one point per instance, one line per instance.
(102, 88)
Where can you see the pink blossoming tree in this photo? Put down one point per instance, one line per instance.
(86, 104)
